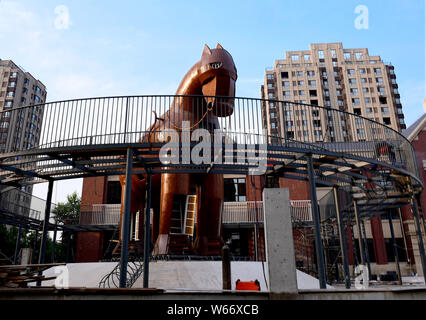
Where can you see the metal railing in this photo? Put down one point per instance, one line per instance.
(233, 213)
(83, 124)
(100, 214)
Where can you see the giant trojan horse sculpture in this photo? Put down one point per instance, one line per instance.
(214, 75)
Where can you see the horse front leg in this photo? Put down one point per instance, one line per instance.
(137, 202)
(209, 224)
(171, 185)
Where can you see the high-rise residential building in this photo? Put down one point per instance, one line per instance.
(331, 76)
(19, 129)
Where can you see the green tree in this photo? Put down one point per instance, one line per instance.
(66, 213)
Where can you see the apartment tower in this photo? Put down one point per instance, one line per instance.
(334, 77)
(19, 128)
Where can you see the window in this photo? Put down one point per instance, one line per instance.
(320, 54)
(367, 100)
(354, 92)
(355, 102)
(271, 96)
(301, 83)
(347, 55)
(294, 57)
(273, 125)
(286, 84)
(365, 90)
(377, 71)
(369, 110)
(358, 55)
(270, 86)
(284, 75)
(270, 76)
(385, 110)
(299, 73)
(286, 94)
(307, 57)
(289, 124)
(37, 99)
(351, 72)
(301, 92)
(312, 83)
(311, 74)
(305, 123)
(362, 71)
(273, 115)
(333, 53)
(352, 82)
(361, 133)
(379, 80)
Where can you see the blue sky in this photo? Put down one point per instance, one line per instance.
(145, 47)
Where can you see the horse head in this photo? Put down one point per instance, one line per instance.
(217, 75)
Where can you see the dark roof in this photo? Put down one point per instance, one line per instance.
(413, 127)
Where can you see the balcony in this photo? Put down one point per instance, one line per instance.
(233, 213)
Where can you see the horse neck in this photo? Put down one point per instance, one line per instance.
(190, 86)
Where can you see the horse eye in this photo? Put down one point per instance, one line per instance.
(216, 65)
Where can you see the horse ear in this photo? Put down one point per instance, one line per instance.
(207, 50)
(219, 46)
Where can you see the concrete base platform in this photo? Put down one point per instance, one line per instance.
(180, 275)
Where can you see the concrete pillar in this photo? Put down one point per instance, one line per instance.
(279, 242)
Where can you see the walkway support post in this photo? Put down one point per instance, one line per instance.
(147, 249)
(358, 224)
(54, 243)
(367, 253)
(342, 235)
(125, 227)
(317, 227)
(226, 269)
(44, 236)
(17, 246)
(419, 235)
(395, 249)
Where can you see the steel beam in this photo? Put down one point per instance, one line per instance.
(395, 248)
(342, 236)
(17, 246)
(419, 235)
(358, 224)
(316, 220)
(147, 241)
(125, 227)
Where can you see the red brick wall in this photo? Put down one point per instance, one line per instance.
(254, 188)
(420, 147)
(299, 190)
(89, 247)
